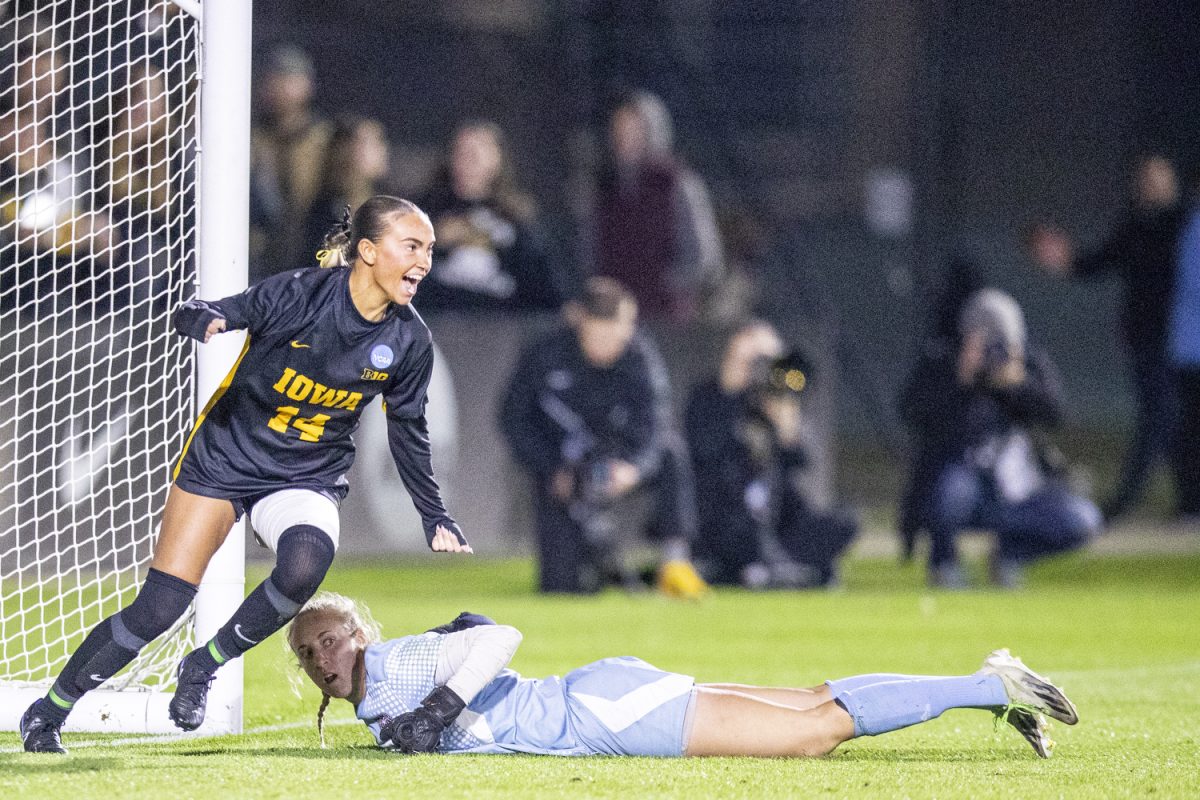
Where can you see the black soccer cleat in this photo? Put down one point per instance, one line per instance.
(39, 734)
(1026, 689)
(191, 694)
(1032, 726)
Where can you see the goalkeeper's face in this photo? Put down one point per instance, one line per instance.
(330, 650)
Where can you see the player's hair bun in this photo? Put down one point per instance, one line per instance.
(335, 247)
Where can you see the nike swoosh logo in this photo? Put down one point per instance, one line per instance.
(298, 345)
(96, 678)
(237, 629)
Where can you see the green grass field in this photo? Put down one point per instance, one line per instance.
(1120, 634)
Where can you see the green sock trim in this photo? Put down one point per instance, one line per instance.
(216, 653)
(58, 701)
(1002, 713)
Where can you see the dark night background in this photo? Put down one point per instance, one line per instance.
(999, 113)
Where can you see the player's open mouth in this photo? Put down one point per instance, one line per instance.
(411, 280)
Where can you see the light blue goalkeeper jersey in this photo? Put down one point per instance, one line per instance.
(617, 706)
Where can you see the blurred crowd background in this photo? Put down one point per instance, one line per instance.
(851, 150)
(820, 186)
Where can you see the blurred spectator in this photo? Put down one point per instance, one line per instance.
(491, 251)
(287, 150)
(144, 178)
(356, 162)
(46, 225)
(960, 281)
(1185, 358)
(587, 412)
(977, 407)
(651, 223)
(1141, 251)
(745, 432)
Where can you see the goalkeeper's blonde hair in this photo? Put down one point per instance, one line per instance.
(355, 617)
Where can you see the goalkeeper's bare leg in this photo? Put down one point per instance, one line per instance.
(736, 720)
(780, 695)
(734, 723)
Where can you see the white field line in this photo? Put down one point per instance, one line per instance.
(1103, 672)
(1131, 672)
(167, 738)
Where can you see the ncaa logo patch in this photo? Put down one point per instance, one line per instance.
(382, 356)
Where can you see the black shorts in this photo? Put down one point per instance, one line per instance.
(243, 504)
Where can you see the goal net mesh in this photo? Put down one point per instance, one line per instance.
(98, 147)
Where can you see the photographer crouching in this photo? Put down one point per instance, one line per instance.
(977, 411)
(745, 431)
(588, 413)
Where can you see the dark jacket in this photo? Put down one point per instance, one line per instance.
(503, 265)
(560, 410)
(1141, 251)
(948, 420)
(751, 509)
(733, 447)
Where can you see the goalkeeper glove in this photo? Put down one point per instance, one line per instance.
(463, 621)
(193, 318)
(420, 730)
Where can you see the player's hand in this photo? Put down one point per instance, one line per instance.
(414, 731)
(562, 485)
(214, 327)
(783, 412)
(622, 476)
(1051, 249)
(970, 358)
(447, 541)
(198, 320)
(462, 622)
(420, 730)
(1010, 374)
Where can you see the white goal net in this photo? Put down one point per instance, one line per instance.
(98, 215)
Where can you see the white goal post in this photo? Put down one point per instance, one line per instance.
(124, 186)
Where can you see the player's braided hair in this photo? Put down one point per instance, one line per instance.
(355, 617)
(321, 717)
(370, 222)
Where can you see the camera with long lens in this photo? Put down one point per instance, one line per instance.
(782, 375)
(590, 501)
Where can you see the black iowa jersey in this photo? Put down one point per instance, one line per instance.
(285, 415)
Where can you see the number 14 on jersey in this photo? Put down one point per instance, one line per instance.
(310, 428)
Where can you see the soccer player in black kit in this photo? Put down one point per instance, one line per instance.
(275, 442)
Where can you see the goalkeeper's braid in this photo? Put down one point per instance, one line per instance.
(321, 718)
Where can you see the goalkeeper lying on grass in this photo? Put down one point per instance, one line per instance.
(448, 690)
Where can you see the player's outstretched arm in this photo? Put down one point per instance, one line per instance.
(408, 439)
(468, 661)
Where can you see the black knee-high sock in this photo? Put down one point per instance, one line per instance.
(303, 556)
(116, 641)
